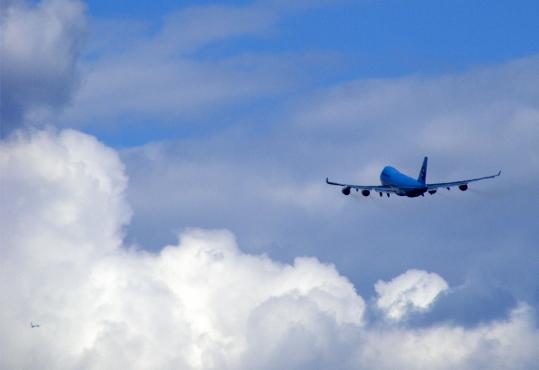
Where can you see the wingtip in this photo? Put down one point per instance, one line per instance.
(499, 172)
(327, 180)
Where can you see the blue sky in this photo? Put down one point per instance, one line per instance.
(362, 40)
(180, 151)
(395, 37)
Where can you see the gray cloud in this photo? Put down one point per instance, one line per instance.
(201, 304)
(39, 46)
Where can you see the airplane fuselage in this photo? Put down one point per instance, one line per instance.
(402, 185)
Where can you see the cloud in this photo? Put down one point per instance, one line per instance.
(189, 65)
(268, 187)
(414, 290)
(195, 305)
(39, 44)
(133, 89)
(200, 304)
(503, 344)
(191, 28)
(203, 303)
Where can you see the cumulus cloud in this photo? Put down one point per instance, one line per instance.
(414, 290)
(201, 304)
(39, 44)
(504, 344)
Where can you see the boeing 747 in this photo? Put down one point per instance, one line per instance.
(400, 184)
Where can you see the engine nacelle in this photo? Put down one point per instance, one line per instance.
(346, 190)
(463, 187)
(433, 191)
(365, 192)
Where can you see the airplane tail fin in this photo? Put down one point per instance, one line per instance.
(423, 173)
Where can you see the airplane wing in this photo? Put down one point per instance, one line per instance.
(378, 188)
(463, 183)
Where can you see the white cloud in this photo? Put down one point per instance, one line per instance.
(157, 74)
(39, 45)
(202, 304)
(414, 290)
(167, 88)
(193, 27)
(191, 305)
(507, 344)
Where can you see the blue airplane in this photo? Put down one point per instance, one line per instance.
(398, 183)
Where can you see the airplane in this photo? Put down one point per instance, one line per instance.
(34, 324)
(395, 182)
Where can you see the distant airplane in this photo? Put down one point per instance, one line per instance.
(34, 324)
(398, 183)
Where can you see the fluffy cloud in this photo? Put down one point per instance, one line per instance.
(413, 290)
(504, 344)
(201, 304)
(39, 45)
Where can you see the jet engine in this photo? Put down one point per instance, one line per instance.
(346, 190)
(463, 187)
(433, 191)
(365, 192)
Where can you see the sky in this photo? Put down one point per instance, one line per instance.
(162, 171)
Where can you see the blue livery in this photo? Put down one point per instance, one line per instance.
(393, 181)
